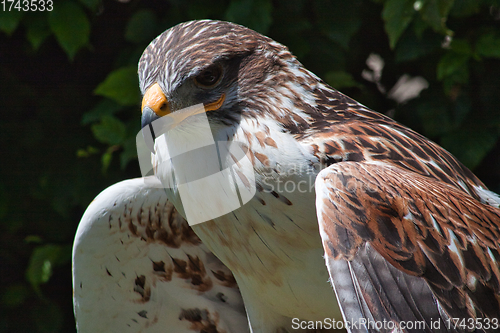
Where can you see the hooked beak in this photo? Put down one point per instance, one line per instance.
(156, 105)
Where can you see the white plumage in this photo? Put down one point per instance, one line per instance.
(127, 274)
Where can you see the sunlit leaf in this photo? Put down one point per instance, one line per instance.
(42, 262)
(106, 159)
(89, 151)
(70, 25)
(121, 85)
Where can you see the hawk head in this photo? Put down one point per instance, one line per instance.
(234, 71)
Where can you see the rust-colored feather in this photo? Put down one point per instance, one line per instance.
(422, 226)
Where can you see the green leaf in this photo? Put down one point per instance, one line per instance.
(419, 27)
(103, 108)
(91, 4)
(462, 107)
(15, 295)
(341, 79)
(121, 85)
(9, 20)
(451, 63)
(342, 31)
(129, 152)
(470, 146)
(106, 160)
(488, 46)
(461, 46)
(37, 30)
(293, 31)
(110, 130)
(397, 15)
(48, 317)
(435, 118)
(435, 13)
(453, 69)
(338, 20)
(464, 8)
(141, 27)
(89, 151)
(33, 239)
(71, 27)
(255, 14)
(43, 259)
(410, 47)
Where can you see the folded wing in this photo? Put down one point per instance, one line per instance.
(402, 247)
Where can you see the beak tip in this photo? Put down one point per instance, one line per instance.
(148, 116)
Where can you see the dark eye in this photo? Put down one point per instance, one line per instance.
(209, 77)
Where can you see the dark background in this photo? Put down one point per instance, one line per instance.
(69, 106)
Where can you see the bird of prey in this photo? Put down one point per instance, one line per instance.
(357, 221)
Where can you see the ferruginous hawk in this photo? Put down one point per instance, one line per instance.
(406, 235)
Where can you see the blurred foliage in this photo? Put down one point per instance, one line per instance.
(70, 105)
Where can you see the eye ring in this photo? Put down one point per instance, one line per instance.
(209, 77)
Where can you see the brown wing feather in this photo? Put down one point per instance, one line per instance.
(345, 130)
(421, 226)
(375, 290)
